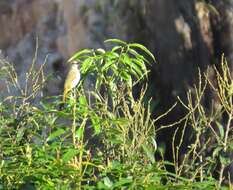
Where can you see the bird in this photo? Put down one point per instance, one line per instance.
(72, 79)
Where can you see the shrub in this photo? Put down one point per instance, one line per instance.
(103, 137)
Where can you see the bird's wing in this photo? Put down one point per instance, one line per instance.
(72, 80)
(72, 75)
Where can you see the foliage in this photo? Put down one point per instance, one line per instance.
(104, 138)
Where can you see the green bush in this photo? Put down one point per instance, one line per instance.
(102, 138)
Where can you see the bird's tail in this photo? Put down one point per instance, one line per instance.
(64, 96)
(62, 105)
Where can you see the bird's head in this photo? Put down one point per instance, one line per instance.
(75, 64)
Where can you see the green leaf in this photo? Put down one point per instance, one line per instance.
(98, 83)
(86, 65)
(221, 129)
(83, 101)
(140, 63)
(100, 50)
(108, 182)
(97, 128)
(138, 56)
(230, 91)
(107, 65)
(143, 48)
(101, 185)
(230, 145)
(111, 55)
(96, 124)
(154, 143)
(137, 70)
(115, 48)
(224, 160)
(115, 41)
(123, 182)
(79, 133)
(55, 134)
(120, 121)
(114, 136)
(78, 54)
(134, 69)
(216, 151)
(149, 153)
(115, 69)
(125, 76)
(20, 134)
(69, 155)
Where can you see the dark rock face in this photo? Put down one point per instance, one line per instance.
(223, 29)
(186, 46)
(179, 33)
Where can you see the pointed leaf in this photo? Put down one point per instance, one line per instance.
(69, 155)
(78, 54)
(149, 153)
(100, 50)
(79, 133)
(221, 129)
(86, 64)
(122, 182)
(115, 48)
(121, 121)
(83, 101)
(115, 41)
(143, 48)
(108, 182)
(55, 134)
(20, 134)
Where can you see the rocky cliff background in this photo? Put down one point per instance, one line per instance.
(183, 35)
(62, 28)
